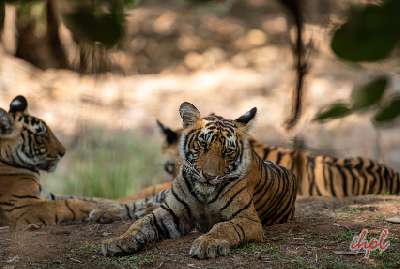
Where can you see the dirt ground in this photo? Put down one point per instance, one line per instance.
(318, 237)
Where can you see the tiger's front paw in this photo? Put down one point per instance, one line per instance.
(205, 247)
(108, 215)
(118, 247)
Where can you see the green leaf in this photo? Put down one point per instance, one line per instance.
(370, 33)
(369, 94)
(389, 112)
(106, 28)
(333, 111)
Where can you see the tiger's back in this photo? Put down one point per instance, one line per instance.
(320, 175)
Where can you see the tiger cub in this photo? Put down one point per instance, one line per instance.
(28, 145)
(223, 188)
(318, 175)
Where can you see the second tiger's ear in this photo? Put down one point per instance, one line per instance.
(189, 114)
(19, 105)
(7, 125)
(171, 136)
(245, 120)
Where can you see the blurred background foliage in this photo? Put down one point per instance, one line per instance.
(108, 163)
(371, 33)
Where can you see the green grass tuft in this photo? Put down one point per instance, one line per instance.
(109, 164)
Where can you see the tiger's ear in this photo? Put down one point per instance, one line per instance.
(245, 120)
(189, 114)
(7, 125)
(170, 136)
(19, 105)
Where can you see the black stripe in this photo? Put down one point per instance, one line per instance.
(233, 197)
(127, 211)
(265, 153)
(370, 173)
(189, 186)
(153, 226)
(25, 196)
(397, 178)
(172, 213)
(237, 232)
(343, 179)
(6, 204)
(278, 157)
(70, 209)
(42, 220)
(17, 207)
(165, 228)
(223, 187)
(185, 205)
(379, 179)
(241, 209)
(159, 228)
(360, 167)
(241, 229)
(311, 175)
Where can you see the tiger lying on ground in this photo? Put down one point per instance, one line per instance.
(27, 145)
(317, 175)
(223, 188)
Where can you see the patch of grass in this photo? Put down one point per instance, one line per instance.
(88, 247)
(345, 236)
(106, 163)
(389, 258)
(132, 261)
(299, 262)
(336, 262)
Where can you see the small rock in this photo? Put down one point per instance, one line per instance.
(395, 220)
(106, 234)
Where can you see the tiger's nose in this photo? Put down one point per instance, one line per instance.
(61, 152)
(208, 176)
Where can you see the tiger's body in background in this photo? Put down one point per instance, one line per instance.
(28, 145)
(223, 189)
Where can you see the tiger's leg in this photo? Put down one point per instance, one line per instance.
(163, 223)
(50, 212)
(131, 210)
(224, 235)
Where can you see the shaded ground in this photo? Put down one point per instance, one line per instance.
(317, 238)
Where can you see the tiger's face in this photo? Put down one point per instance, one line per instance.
(214, 149)
(27, 141)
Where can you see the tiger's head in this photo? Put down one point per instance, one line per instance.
(27, 141)
(170, 148)
(214, 149)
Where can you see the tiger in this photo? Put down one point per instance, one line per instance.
(28, 146)
(223, 188)
(318, 175)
